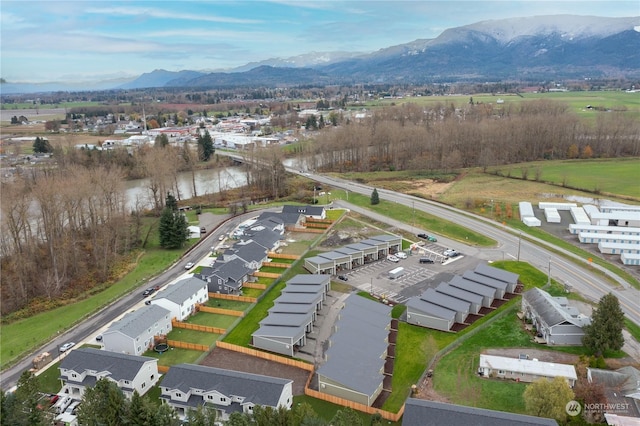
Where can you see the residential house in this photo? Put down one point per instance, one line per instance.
(182, 297)
(188, 386)
(421, 412)
(314, 212)
(134, 333)
(225, 277)
(357, 355)
(555, 320)
(434, 310)
(524, 370)
(621, 389)
(83, 367)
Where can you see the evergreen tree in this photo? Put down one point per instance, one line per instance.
(21, 407)
(41, 145)
(203, 415)
(173, 226)
(205, 146)
(104, 404)
(346, 417)
(605, 331)
(161, 140)
(375, 199)
(141, 411)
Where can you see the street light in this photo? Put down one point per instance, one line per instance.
(549, 274)
(519, 239)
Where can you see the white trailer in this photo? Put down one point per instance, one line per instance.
(630, 258)
(580, 216)
(592, 238)
(558, 206)
(395, 273)
(552, 215)
(576, 229)
(618, 248)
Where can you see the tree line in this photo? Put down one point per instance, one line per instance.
(443, 137)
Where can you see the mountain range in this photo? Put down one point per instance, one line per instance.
(539, 48)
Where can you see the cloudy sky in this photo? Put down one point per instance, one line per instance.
(43, 41)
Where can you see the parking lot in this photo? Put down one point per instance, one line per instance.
(416, 277)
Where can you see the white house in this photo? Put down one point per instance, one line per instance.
(82, 367)
(187, 386)
(134, 333)
(182, 297)
(524, 370)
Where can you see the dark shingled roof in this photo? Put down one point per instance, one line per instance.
(120, 366)
(420, 412)
(498, 274)
(257, 389)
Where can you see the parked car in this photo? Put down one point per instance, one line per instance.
(451, 253)
(392, 258)
(343, 278)
(401, 255)
(67, 346)
(221, 238)
(99, 338)
(203, 230)
(149, 291)
(428, 237)
(189, 265)
(425, 260)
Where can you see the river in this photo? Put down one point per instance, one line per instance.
(208, 181)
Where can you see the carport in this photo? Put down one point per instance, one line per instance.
(369, 252)
(356, 256)
(341, 261)
(320, 265)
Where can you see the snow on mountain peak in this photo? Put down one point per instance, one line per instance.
(571, 27)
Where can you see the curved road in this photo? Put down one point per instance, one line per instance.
(575, 273)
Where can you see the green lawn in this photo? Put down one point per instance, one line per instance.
(421, 220)
(327, 410)
(233, 305)
(175, 356)
(605, 176)
(193, 336)
(252, 292)
(212, 320)
(273, 270)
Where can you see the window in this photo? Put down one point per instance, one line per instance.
(74, 375)
(178, 395)
(152, 376)
(143, 385)
(209, 396)
(223, 399)
(126, 382)
(500, 371)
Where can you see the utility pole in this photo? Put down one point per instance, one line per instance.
(549, 274)
(413, 220)
(519, 239)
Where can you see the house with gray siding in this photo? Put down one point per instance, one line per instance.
(314, 212)
(557, 321)
(134, 333)
(475, 300)
(426, 314)
(499, 274)
(487, 293)
(182, 297)
(422, 412)
(187, 386)
(83, 367)
(355, 361)
(225, 277)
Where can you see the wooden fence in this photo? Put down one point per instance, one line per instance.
(266, 274)
(198, 327)
(310, 230)
(277, 265)
(318, 225)
(221, 311)
(232, 297)
(274, 255)
(265, 355)
(312, 220)
(187, 345)
(255, 285)
(163, 369)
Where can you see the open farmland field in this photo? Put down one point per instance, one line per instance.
(600, 101)
(608, 176)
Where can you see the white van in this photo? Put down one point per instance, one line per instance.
(62, 404)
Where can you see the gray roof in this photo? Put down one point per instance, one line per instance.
(306, 210)
(182, 290)
(310, 279)
(349, 251)
(257, 389)
(287, 319)
(265, 237)
(302, 298)
(387, 238)
(354, 356)
(250, 251)
(473, 287)
(625, 380)
(281, 332)
(319, 260)
(361, 247)
(334, 255)
(135, 323)
(547, 308)
(485, 280)
(286, 218)
(376, 243)
(120, 366)
(417, 304)
(459, 293)
(300, 288)
(420, 412)
(292, 308)
(235, 269)
(444, 300)
(498, 274)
